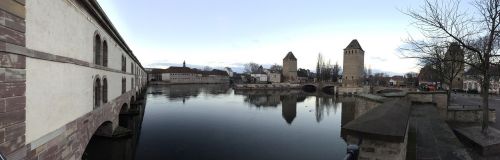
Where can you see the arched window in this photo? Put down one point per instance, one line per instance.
(97, 93)
(124, 85)
(97, 49)
(105, 90)
(105, 54)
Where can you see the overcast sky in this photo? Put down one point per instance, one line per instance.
(220, 33)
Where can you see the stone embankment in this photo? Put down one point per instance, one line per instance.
(267, 86)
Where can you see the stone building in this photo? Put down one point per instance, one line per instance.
(186, 75)
(66, 75)
(354, 58)
(455, 53)
(289, 68)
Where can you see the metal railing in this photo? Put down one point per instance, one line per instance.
(353, 151)
(2, 157)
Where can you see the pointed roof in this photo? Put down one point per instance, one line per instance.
(290, 56)
(354, 45)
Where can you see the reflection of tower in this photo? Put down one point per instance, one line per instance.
(289, 108)
(348, 112)
(319, 112)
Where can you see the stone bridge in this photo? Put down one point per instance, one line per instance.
(321, 86)
(66, 75)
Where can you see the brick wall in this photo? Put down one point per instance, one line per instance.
(12, 79)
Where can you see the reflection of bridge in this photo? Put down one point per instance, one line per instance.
(322, 86)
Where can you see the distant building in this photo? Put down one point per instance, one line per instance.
(289, 68)
(471, 81)
(192, 76)
(397, 81)
(273, 77)
(259, 76)
(354, 62)
(154, 74)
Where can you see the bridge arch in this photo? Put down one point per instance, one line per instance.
(104, 130)
(328, 89)
(309, 88)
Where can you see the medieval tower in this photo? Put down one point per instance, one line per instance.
(454, 58)
(354, 62)
(289, 68)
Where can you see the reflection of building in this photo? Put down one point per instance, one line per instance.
(188, 75)
(289, 68)
(354, 58)
(289, 108)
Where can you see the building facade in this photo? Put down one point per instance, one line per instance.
(354, 58)
(66, 73)
(289, 68)
(185, 75)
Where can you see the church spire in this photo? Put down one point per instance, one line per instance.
(184, 64)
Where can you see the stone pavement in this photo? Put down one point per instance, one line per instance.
(433, 139)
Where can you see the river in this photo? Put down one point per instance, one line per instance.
(214, 122)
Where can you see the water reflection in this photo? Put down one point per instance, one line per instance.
(184, 92)
(324, 104)
(186, 122)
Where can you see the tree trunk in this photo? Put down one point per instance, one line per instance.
(484, 94)
(448, 99)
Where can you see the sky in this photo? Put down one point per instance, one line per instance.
(230, 33)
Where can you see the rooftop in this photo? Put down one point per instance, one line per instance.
(289, 56)
(354, 45)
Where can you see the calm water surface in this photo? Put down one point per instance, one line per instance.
(191, 122)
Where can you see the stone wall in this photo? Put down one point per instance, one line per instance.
(365, 103)
(372, 149)
(12, 79)
(69, 141)
(438, 98)
(469, 115)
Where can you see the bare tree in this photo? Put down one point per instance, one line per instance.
(207, 68)
(336, 72)
(476, 32)
(446, 61)
(251, 67)
(276, 68)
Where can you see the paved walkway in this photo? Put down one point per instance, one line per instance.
(432, 137)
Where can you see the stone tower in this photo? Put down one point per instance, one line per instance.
(354, 62)
(289, 68)
(454, 54)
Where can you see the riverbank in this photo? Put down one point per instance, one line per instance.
(274, 86)
(170, 83)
